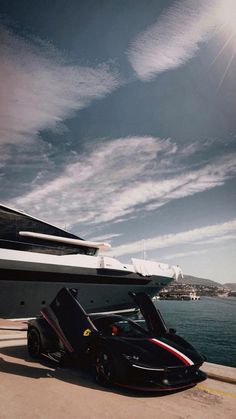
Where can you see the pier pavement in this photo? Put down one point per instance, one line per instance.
(42, 390)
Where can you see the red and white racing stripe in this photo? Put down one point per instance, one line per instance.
(173, 351)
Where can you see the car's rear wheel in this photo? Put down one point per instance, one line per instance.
(34, 343)
(104, 368)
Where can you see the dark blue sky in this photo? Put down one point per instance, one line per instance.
(117, 120)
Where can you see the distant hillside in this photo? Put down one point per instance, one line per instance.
(193, 280)
(231, 286)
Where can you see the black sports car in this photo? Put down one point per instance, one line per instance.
(141, 354)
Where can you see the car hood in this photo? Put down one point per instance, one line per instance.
(161, 351)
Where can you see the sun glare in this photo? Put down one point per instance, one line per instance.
(227, 14)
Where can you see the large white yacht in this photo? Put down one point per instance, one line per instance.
(37, 259)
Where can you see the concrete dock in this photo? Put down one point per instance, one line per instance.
(38, 390)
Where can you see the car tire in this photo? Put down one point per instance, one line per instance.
(104, 368)
(34, 343)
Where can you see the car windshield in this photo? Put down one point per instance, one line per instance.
(120, 328)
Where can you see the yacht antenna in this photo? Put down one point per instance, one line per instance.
(144, 250)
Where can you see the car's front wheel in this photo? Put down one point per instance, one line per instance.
(104, 368)
(34, 343)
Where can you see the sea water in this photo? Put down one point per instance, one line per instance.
(208, 324)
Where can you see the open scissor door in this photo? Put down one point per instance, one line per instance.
(69, 320)
(154, 321)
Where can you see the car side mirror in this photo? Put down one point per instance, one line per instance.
(172, 331)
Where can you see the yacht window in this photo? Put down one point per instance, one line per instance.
(11, 222)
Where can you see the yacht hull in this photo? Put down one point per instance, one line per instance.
(23, 293)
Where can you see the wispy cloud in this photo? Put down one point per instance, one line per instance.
(216, 231)
(175, 37)
(123, 178)
(184, 254)
(217, 240)
(39, 89)
(100, 182)
(105, 237)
